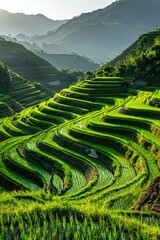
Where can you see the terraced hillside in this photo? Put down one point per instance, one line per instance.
(83, 165)
(22, 95)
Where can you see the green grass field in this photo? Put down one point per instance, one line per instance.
(84, 164)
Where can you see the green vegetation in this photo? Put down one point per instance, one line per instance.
(16, 93)
(149, 36)
(83, 164)
(5, 78)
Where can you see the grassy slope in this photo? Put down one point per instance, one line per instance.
(22, 94)
(91, 151)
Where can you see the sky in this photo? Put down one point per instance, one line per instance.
(54, 9)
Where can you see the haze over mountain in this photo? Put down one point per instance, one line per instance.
(15, 23)
(104, 33)
(69, 61)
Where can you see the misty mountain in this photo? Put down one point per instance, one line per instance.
(60, 60)
(69, 61)
(104, 33)
(15, 23)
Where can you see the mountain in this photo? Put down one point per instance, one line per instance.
(104, 33)
(32, 67)
(69, 61)
(15, 23)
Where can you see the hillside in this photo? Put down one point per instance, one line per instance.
(150, 37)
(32, 67)
(92, 159)
(16, 93)
(15, 23)
(104, 33)
(69, 61)
(138, 64)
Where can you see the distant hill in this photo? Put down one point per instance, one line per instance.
(15, 23)
(104, 33)
(69, 61)
(32, 67)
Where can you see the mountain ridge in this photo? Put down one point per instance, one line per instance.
(15, 23)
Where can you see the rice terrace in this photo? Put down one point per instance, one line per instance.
(83, 163)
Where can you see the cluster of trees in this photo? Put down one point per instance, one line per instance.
(143, 63)
(5, 78)
(72, 73)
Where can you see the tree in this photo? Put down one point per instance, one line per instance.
(143, 44)
(121, 68)
(108, 71)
